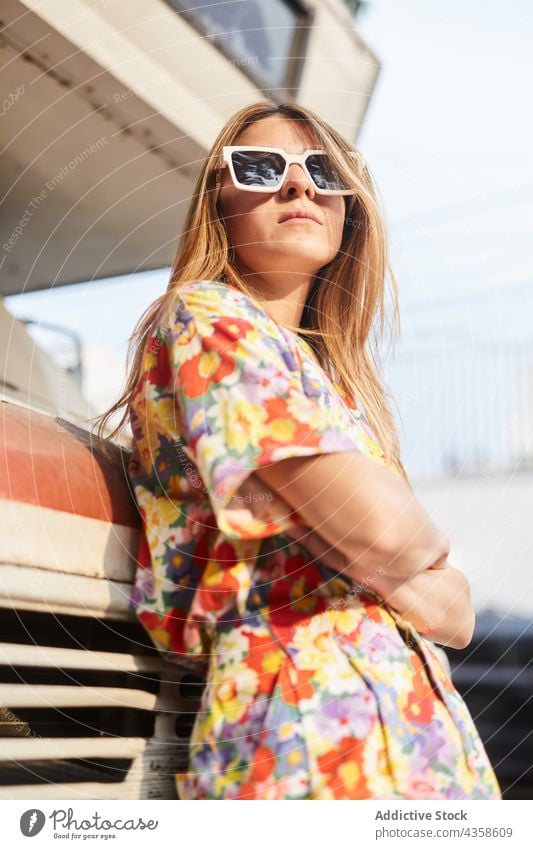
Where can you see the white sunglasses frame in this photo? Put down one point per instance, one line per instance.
(225, 161)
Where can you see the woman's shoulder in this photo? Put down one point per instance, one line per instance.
(210, 301)
(218, 294)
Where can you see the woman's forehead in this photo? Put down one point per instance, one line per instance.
(292, 136)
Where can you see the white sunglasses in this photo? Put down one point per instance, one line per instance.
(255, 168)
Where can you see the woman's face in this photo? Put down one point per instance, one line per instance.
(262, 243)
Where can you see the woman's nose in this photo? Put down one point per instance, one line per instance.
(297, 183)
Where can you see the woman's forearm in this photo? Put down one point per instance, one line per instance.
(436, 601)
(363, 509)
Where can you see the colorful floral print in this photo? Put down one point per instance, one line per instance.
(314, 688)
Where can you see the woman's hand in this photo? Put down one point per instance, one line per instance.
(437, 602)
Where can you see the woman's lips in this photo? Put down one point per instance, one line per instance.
(299, 220)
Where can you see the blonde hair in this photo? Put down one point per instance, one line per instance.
(346, 296)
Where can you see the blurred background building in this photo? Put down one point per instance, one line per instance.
(112, 109)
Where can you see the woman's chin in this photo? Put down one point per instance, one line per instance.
(296, 259)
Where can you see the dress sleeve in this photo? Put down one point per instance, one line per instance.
(240, 403)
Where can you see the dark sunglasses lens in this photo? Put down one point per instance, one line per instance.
(324, 173)
(258, 168)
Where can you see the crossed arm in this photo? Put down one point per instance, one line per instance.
(364, 521)
(436, 601)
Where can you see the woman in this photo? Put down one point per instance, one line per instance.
(285, 555)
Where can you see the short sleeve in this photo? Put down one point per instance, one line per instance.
(240, 403)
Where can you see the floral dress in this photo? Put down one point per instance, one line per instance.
(315, 689)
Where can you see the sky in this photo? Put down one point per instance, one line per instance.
(448, 136)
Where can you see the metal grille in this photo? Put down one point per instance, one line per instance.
(80, 721)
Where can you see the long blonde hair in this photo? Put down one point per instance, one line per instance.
(346, 297)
